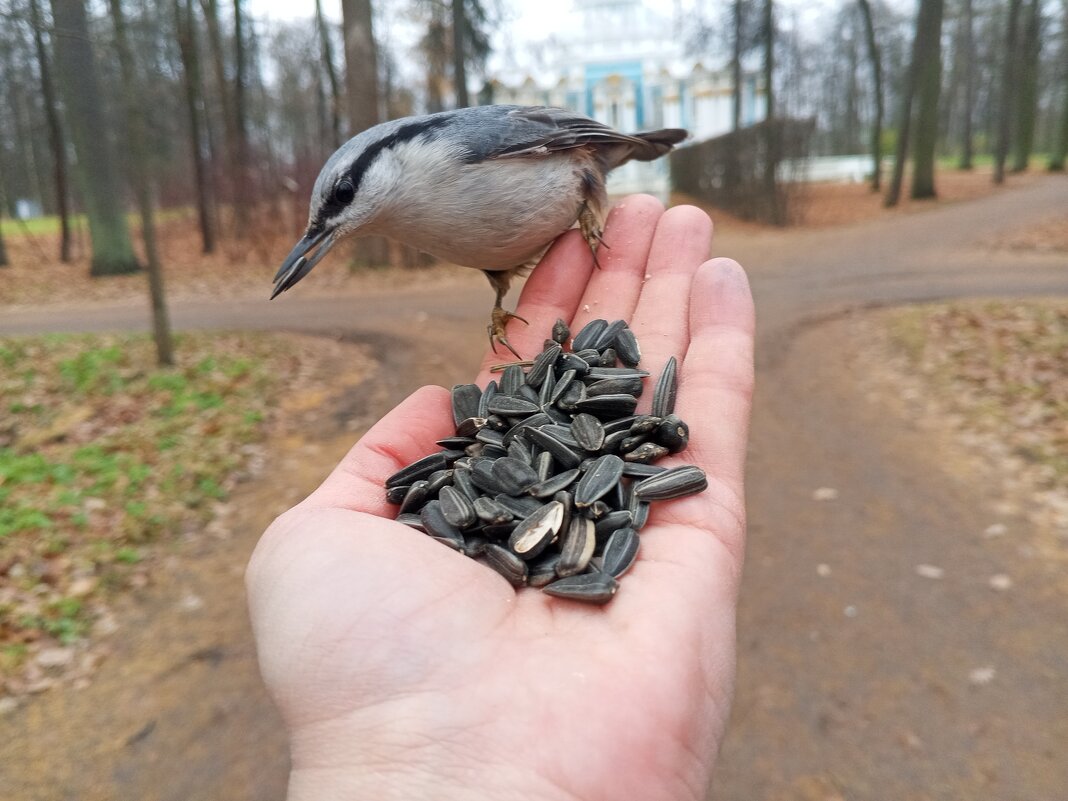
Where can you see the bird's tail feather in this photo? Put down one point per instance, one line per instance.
(657, 143)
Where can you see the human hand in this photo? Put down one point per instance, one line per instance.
(405, 670)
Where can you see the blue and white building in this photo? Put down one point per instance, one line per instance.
(624, 63)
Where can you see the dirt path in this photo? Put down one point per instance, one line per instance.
(858, 678)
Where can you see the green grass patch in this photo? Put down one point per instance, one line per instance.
(104, 456)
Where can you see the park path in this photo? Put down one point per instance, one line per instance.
(857, 679)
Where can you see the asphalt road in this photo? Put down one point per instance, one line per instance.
(859, 683)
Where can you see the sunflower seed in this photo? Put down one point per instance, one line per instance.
(567, 501)
(511, 380)
(418, 469)
(588, 334)
(395, 495)
(465, 400)
(577, 547)
(553, 484)
(456, 507)
(560, 332)
(620, 552)
(641, 515)
(613, 440)
(415, 497)
(646, 452)
(638, 470)
(474, 546)
(614, 386)
(487, 395)
(644, 424)
(436, 525)
(569, 361)
(482, 477)
(536, 530)
(626, 345)
(564, 455)
(528, 393)
(673, 483)
(594, 588)
(542, 365)
(455, 544)
(491, 512)
(609, 358)
(673, 434)
(543, 465)
(576, 392)
(599, 479)
(591, 356)
(548, 385)
(597, 373)
(612, 521)
(514, 476)
(471, 426)
(562, 383)
(520, 507)
(506, 563)
(597, 510)
(608, 404)
(608, 336)
(411, 520)
(461, 479)
(534, 421)
(587, 431)
(487, 436)
(632, 442)
(511, 406)
(621, 424)
(499, 531)
(543, 570)
(666, 389)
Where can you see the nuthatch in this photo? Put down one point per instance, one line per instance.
(488, 187)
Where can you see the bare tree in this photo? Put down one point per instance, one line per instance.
(1027, 92)
(1059, 151)
(1008, 87)
(187, 45)
(55, 133)
(875, 59)
(459, 52)
(137, 158)
(737, 47)
(361, 64)
(242, 173)
(967, 60)
(96, 167)
(331, 74)
(929, 86)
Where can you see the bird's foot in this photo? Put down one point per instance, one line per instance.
(498, 323)
(590, 226)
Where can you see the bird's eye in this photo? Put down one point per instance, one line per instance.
(344, 192)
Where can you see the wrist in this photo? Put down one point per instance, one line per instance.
(382, 760)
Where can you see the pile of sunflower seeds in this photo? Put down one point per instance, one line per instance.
(550, 475)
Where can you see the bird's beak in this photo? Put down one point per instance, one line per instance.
(298, 264)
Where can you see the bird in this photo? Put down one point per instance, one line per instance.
(489, 187)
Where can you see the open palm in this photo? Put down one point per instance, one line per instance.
(406, 670)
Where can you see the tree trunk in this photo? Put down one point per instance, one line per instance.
(1059, 153)
(968, 47)
(1027, 89)
(1008, 87)
(435, 49)
(55, 133)
(331, 75)
(361, 65)
(215, 42)
(361, 79)
(137, 158)
(904, 121)
(244, 190)
(459, 54)
(3, 208)
(877, 88)
(736, 67)
(187, 44)
(96, 165)
(929, 86)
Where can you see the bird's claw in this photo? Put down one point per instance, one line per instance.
(498, 323)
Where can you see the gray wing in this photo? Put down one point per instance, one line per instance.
(515, 131)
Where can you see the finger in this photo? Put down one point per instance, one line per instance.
(613, 289)
(407, 433)
(553, 290)
(715, 398)
(661, 323)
